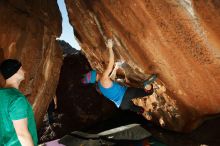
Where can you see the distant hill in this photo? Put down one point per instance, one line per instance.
(67, 48)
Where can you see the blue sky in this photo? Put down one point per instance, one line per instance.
(67, 30)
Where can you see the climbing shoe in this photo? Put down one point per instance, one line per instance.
(150, 80)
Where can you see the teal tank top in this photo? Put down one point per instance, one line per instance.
(114, 93)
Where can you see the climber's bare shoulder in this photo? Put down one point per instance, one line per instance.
(105, 81)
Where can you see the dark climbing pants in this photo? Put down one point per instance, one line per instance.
(132, 93)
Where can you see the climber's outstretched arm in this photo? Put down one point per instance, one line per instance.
(111, 59)
(105, 79)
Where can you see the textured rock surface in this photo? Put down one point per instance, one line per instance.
(179, 40)
(28, 32)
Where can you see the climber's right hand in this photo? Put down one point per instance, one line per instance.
(109, 43)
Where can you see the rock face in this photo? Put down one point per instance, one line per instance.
(28, 32)
(179, 40)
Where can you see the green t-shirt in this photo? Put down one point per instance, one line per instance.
(14, 106)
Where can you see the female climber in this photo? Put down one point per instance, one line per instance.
(119, 94)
